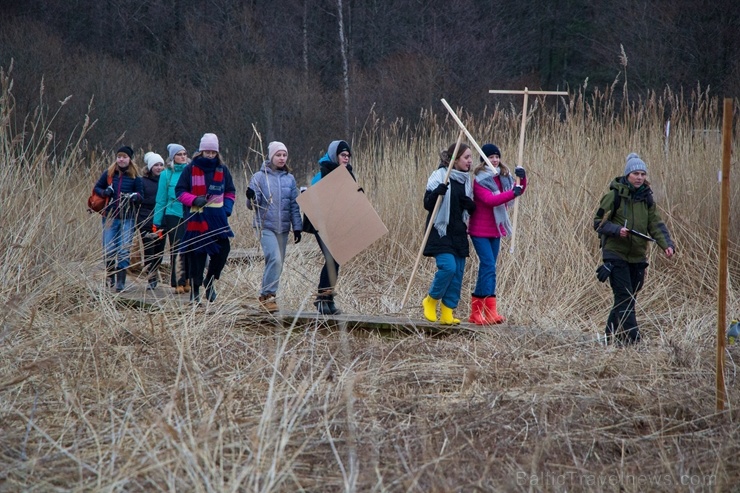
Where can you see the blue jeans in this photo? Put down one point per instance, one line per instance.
(273, 247)
(447, 281)
(118, 235)
(487, 250)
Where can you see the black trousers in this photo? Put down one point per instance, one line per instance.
(197, 263)
(329, 272)
(626, 280)
(175, 227)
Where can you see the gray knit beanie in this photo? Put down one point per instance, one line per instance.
(634, 163)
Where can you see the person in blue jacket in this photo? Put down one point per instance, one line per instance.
(168, 216)
(272, 195)
(338, 154)
(124, 194)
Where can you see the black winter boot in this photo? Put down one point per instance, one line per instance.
(110, 272)
(211, 289)
(194, 294)
(120, 280)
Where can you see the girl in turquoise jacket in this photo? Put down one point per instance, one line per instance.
(168, 215)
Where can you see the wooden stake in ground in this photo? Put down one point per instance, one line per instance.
(724, 224)
(520, 156)
(431, 220)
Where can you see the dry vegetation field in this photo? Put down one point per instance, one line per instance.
(98, 397)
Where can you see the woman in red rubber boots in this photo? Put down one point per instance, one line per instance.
(493, 192)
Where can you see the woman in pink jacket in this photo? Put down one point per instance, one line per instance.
(493, 192)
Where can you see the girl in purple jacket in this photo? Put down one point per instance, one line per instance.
(493, 192)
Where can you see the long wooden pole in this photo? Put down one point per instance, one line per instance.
(724, 225)
(431, 219)
(520, 157)
(519, 161)
(470, 137)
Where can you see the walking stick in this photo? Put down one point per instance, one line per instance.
(520, 156)
(431, 219)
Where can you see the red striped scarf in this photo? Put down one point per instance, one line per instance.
(198, 187)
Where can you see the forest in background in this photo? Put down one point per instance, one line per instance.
(307, 72)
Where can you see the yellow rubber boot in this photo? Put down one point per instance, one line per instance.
(430, 308)
(445, 315)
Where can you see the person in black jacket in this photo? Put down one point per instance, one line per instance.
(448, 239)
(153, 241)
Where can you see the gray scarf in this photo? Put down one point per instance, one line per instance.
(443, 215)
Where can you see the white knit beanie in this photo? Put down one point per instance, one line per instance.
(152, 158)
(273, 148)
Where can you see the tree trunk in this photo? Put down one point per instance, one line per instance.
(345, 70)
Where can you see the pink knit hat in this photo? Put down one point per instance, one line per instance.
(209, 142)
(273, 148)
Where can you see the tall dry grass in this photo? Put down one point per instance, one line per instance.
(95, 396)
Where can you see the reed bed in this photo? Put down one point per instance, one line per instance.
(95, 396)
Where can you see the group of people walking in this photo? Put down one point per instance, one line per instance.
(627, 220)
(189, 202)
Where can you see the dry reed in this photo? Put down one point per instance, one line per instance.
(94, 396)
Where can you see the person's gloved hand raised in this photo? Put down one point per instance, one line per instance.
(441, 189)
(518, 190)
(520, 173)
(296, 236)
(200, 201)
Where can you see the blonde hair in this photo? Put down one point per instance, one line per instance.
(132, 171)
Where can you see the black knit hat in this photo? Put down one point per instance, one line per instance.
(489, 150)
(126, 150)
(341, 147)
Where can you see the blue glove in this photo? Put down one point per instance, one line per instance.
(518, 190)
(228, 206)
(200, 201)
(109, 192)
(520, 173)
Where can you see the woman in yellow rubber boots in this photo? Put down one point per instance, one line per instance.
(448, 239)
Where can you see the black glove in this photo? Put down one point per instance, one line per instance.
(135, 198)
(109, 192)
(604, 271)
(467, 203)
(296, 236)
(520, 173)
(200, 201)
(250, 194)
(518, 190)
(441, 189)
